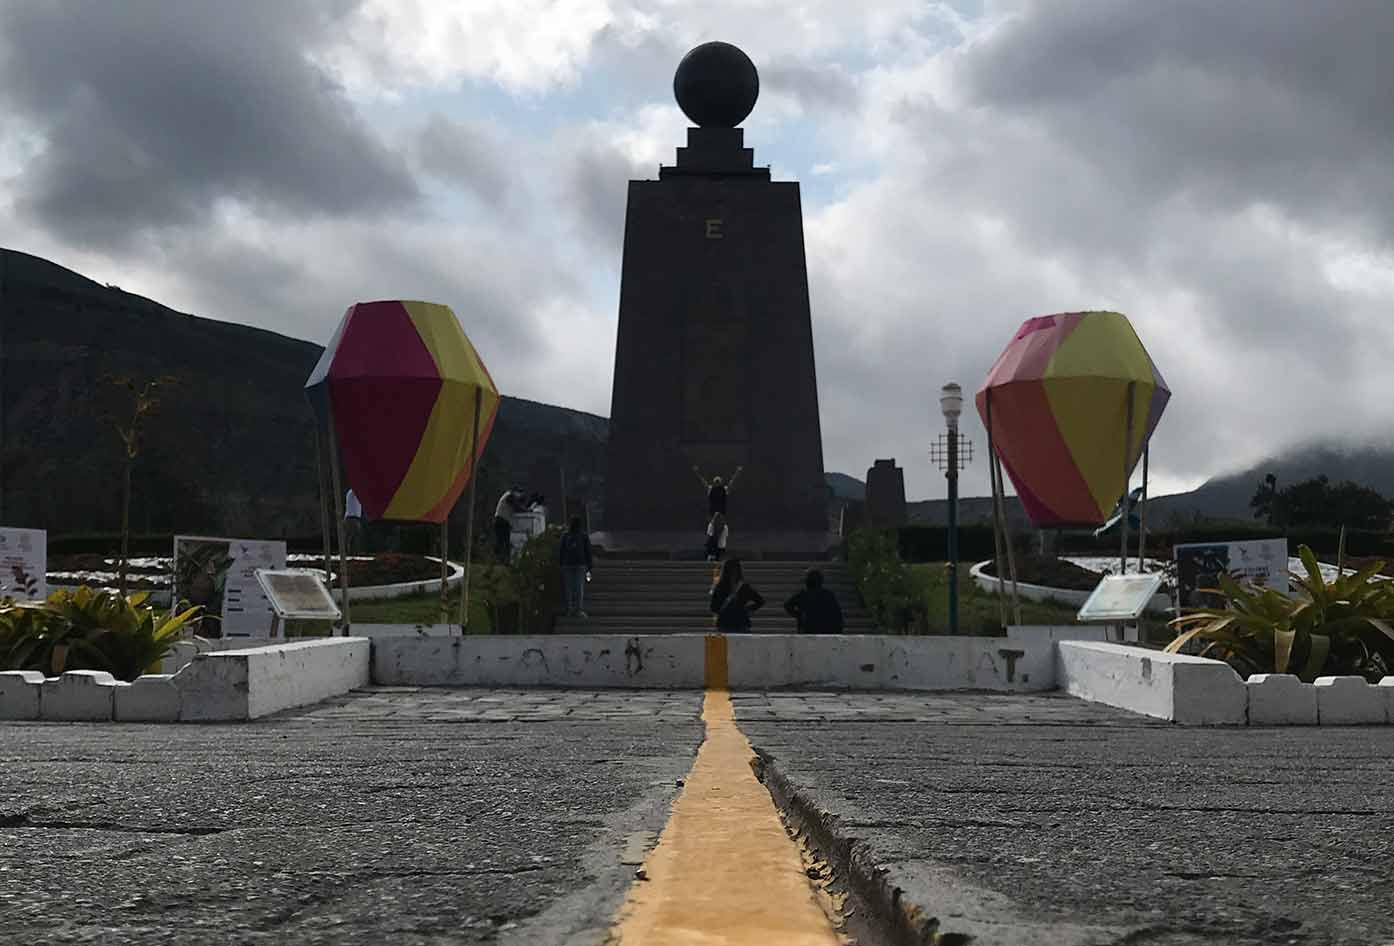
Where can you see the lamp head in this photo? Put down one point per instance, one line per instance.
(951, 401)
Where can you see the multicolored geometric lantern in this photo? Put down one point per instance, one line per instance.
(1056, 407)
(399, 382)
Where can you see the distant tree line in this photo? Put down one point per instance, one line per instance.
(1319, 502)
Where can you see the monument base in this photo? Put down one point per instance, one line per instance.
(689, 545)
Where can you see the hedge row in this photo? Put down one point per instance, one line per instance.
(930, 543)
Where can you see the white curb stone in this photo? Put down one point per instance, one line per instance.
(1349, 701)
(1174, 687)
(1280, 699)
(1386, 690)
(152, 698)
(257, 681)
(78, 696)
(19, 694)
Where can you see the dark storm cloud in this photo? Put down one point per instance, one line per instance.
(815, 86)
(1194, 165)
(1230, 103)
(597, 183)
(464, 154)
(151, 112)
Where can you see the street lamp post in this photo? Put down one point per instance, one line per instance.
(951, 459)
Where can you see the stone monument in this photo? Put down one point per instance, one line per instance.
(714, 358)
(885, 495)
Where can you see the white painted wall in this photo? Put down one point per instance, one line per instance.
(668, 661)
(889, 662)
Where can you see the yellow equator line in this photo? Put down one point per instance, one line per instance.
(724, 870)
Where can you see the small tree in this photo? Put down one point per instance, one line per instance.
(130, 427)
(1265, 500)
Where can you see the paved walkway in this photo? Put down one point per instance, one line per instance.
(387, 817)
(1042, 819)
(456, 816)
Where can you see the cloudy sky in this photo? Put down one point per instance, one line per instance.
(1218, 171)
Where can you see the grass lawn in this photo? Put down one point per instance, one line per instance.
(978, 613)
(418, 609)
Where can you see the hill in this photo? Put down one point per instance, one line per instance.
(230, 451)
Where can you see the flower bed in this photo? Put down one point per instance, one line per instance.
(154, 573)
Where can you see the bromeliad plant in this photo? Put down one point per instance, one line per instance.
(1344, 626)
(88, 630)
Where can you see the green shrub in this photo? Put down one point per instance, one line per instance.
(894, 593)
(1345, 626)
(88, 630)
(537, 582)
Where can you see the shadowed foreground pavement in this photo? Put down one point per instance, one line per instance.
(1047, 820)
(385, 817)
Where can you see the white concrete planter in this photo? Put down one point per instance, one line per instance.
(224, 686)
(401, 589)
(1067, 596)
(405, 589)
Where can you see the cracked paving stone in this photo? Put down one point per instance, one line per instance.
(1046, 820)
(337, 825)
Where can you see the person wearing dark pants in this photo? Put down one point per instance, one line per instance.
(815, 608)
(575, 553)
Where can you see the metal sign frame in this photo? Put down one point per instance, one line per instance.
(330, 612)
(1139, 598)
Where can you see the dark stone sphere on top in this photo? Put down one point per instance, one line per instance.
(716, 85)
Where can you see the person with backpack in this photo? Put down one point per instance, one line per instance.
(575, 553)
(733, 599)
(815, 608)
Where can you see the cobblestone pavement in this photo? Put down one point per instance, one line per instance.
(389, 816)
(1042, 819)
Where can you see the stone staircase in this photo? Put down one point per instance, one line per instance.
(668, 597)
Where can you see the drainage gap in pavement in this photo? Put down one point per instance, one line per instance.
(874, 911)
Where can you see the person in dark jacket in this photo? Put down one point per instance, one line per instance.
(733, 600)
(575, 552)
(815, 608)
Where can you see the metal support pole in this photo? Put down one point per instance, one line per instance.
(1142, 513)
(335, 479)
(445, 568)
(953, 526)
(996, 519)
(469, 516)
(1127, 475)
(1007, 540)
(323, 508)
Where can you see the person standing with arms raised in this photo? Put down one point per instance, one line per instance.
(717, 490)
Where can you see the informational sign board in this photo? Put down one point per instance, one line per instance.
(1262, 563)
(298, 594)
(24, 564)
(1120, 598)
(220, 574)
